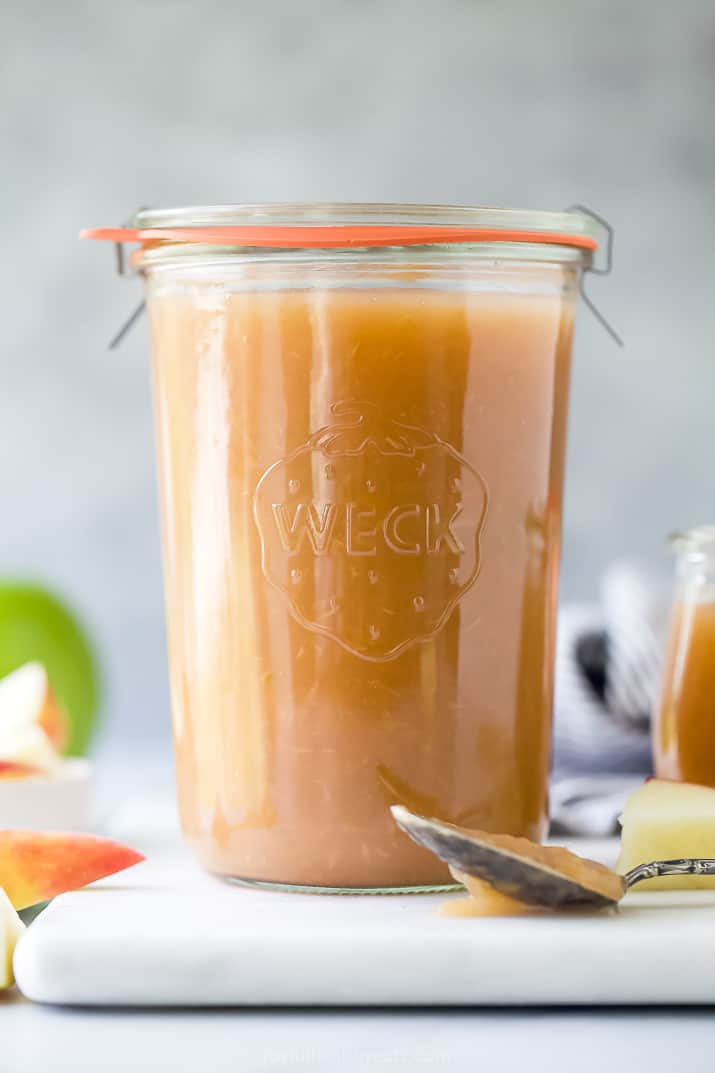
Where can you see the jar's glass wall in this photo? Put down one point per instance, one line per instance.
(361, 475)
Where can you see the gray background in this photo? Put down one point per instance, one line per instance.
(108, 106)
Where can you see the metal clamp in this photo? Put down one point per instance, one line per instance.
(127, 325)
(121, 263)
(604, 270)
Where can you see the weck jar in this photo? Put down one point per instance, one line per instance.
(361, 420)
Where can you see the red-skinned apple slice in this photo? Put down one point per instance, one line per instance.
(28, 745)
(37, 865)
(26, 700)
(14, 769)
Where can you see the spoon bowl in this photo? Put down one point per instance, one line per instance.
(546, 876)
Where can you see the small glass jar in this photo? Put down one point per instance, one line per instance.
(684, 727)
(361, 419)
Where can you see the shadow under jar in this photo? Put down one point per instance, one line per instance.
(361, 416)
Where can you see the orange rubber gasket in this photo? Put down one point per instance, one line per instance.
(319, 237)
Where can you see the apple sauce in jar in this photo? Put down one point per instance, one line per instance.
(361, 454)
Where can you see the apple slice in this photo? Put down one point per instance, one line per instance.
(53, 718)
(37, 625)
(12, 769)
(37, 865)
(26, 700)
(663, 821)
(11, 928)
(28, 745)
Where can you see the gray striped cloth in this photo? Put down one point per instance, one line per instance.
(608, 669)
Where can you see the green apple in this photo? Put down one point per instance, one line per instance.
(35, 625)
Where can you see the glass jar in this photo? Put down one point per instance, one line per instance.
(684, 728)
(361, 418)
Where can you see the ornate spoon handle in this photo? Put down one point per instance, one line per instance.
(694, 866)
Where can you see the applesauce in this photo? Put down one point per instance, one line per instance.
(684, 728)
(361, 454)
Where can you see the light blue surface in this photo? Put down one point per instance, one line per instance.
(462, 1041)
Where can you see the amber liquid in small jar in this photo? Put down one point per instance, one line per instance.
(684, 730)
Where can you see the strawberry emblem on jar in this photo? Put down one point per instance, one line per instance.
(371, 531)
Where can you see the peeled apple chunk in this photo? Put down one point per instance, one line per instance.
(11, 928)
(664, 821)
(37, 865)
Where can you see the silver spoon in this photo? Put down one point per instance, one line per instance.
(546, 876)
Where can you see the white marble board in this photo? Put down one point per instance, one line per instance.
(165, 934)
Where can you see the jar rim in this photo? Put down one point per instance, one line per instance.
(305, 225)
(701, 538)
